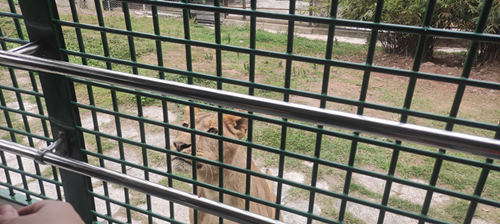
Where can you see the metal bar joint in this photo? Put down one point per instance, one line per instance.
(30, 48)
(59, 147)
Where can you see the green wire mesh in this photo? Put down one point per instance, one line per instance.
(320, 174)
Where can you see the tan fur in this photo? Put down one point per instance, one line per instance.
(234, 127)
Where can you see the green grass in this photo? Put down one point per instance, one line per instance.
(456, 210)
(296, 194)
(330, 211)
(363, 191)
(179, 185)
(47, 172)
(234, 35)
(136, 199)
(396, 202)
(458, 176)
(106, 145)
(157, 159)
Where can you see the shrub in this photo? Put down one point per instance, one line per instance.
(448, 14)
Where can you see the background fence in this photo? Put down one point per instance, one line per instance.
(319, 174)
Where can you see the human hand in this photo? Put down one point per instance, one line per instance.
(42, 212)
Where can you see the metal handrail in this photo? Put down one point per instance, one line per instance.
(395, 130)
(153, 189)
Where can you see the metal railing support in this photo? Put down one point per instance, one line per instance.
(59, 92)
(30, 48)
(395, 130)
(157, 190)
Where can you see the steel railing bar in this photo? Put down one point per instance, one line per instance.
(458, 121)
(302, 93)
(29, 48)
(161, 191)
(153, 189)
(413, 133)
(241, 195)
(292, 183)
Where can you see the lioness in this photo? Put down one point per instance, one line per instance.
(234, 127)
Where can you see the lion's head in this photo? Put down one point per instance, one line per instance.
(206, 147)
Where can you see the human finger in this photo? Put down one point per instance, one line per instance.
(33, 208)
(7, 212)
(49, 212)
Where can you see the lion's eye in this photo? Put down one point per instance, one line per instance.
(185, 125)
(213, 130)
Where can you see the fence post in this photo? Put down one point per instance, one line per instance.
(59, 92)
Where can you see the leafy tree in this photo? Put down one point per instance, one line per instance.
(318, 8)
(449, 14)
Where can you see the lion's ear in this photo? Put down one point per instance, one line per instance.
(236, 125)
(186, 112)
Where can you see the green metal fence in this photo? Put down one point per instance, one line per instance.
(319, 174)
